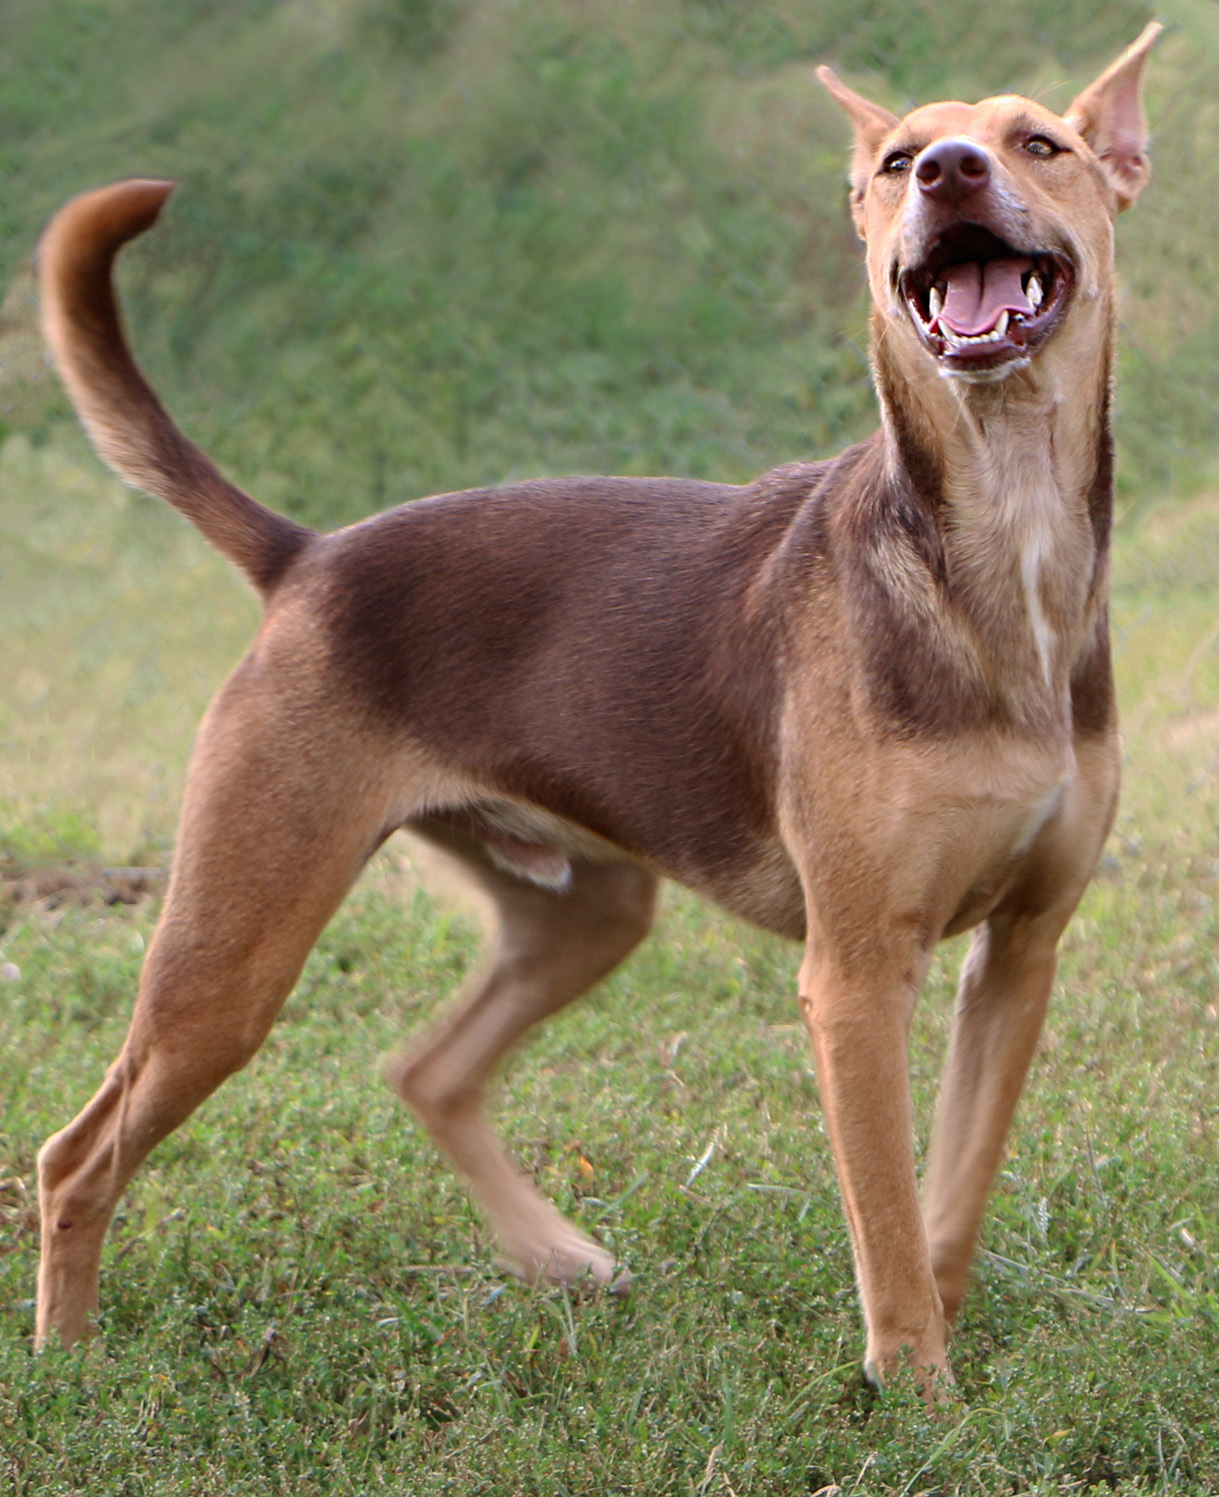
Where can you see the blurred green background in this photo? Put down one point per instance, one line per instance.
(430, 244)
(427, 244)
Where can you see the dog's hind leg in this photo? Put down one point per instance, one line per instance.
(273, 833)
(547, 948)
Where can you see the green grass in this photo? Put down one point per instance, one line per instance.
(437, 243)
(299, 1297)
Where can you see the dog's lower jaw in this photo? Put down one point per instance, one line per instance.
(965, 372)
(992, 376)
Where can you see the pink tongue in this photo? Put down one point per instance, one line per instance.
(977, 294)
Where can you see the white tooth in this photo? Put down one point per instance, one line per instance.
(1034, 292)
(1001, 326)
(935, 302)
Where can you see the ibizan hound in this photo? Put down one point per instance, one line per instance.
(866, 703)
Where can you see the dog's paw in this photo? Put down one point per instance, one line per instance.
(561, 1255)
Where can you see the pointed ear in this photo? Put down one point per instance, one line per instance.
(1109, 116)
(871, 123)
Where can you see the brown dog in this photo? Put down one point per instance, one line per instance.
(866, 703)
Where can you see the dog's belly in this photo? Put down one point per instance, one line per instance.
(535, 844)
(532, 843)
(767, 892)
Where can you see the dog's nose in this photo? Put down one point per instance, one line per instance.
(950, 169)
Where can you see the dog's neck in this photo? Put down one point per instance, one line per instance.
(1016, 477)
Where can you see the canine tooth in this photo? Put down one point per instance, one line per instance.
(1001, 326)
(935, 302)
(1034, 292)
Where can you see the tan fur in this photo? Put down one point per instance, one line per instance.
(866, 703)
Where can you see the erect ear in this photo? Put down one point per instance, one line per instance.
(1109, 116)
(871, 123)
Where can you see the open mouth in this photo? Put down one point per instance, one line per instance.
(981, 306)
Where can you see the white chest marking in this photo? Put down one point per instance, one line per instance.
(1041, 813)
(1030, 575)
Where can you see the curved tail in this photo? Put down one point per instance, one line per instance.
(127, 424)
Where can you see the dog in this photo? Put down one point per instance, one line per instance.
(865, 703)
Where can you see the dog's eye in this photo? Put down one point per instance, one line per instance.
(1040, 145)
(898, 161)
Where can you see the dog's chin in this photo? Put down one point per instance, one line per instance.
(982, 373)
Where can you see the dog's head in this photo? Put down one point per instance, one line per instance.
(989, 226)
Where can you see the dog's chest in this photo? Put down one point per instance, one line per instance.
(1002, 828)
(944, 831)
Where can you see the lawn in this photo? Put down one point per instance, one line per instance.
(300, 1298)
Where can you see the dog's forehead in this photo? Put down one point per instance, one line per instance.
(988, 120)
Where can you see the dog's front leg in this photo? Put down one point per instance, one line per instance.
(1001, 1004)
(1000, 1008)
(858, 1013)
